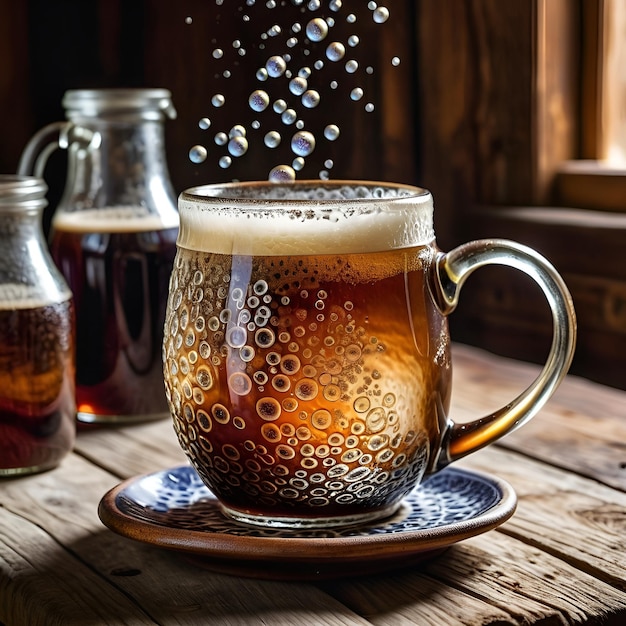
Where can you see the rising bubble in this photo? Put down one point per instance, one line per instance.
(331, 132)
(198, 154)
(259, 100)
(282, 174)
(303, 143)
(317, 29)
(225, 162)
(272, 139)
(335, 51)
(218, 100)
(204, 123)
(276, 66)
(310, 99)
(380, 15)
(352, 66)
(238, 146)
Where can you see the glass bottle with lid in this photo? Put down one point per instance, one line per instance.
(37, 408)
(113, 236)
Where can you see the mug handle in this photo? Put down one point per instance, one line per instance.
(450, 272)
(48, 139)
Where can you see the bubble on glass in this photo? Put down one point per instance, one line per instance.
(238, 146)
(310, 99)
(272, 139)
(356, 94)
(259, 100)
(221, 139)
(198, 154)
(276, 66)
(303, 143)
(380, 15)
(282, 174)
(225, 162)
(218, 53)
(331, 132)
(352, 66)
(204, 123)
(218, 100)
(335, 51)
(317, 29)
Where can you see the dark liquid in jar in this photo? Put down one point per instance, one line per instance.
(120, 282)
(37, 409)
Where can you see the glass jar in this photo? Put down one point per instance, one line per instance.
(113, 237)
(37, 407)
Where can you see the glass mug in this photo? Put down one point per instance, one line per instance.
(307, 355)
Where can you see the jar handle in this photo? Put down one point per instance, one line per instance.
(450, 272)
(46, 140)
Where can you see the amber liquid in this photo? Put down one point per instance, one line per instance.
(306, 385)
(120, 282)
(37, 409)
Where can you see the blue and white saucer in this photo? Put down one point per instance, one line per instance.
(173, 509)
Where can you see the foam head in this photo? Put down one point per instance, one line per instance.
(304, 218)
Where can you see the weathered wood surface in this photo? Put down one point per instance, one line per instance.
(561, 559)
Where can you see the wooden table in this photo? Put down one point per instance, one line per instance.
(561, 558)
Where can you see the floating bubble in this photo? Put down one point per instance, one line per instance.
(259, 100)
(353, 41)
(310, 99)
(225, 162)
(280, 106)
(395, 61)
(303, 143)
(221, 139)
(236, 44)
(318, 65)
(331, 132)
(299, 124)
(289, 116)
(298, 86)
(334, 84)
(352, 66)
(292, 42)
(276, 66)
(351, 19)
(356, 94)
(317, 29)
(238, 146)
(298, 163)
(218, 100)
(329, 163)
(226, 73)
(188, 20)
(335, 51)
(237, 131)
(335, 5)
(261, 74)
(369, 107)
(218, 53)
(314, 5)
(272, 139)
(274, 30)
(380, 15)
(282, 174)
(255, 124)
(198, 154)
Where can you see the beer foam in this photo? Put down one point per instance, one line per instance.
(304, 218)
(14, 296)
(119, 219)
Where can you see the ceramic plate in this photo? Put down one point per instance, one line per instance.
(173, 509)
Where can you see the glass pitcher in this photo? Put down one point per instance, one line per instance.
(113, 237)
(37, 407)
